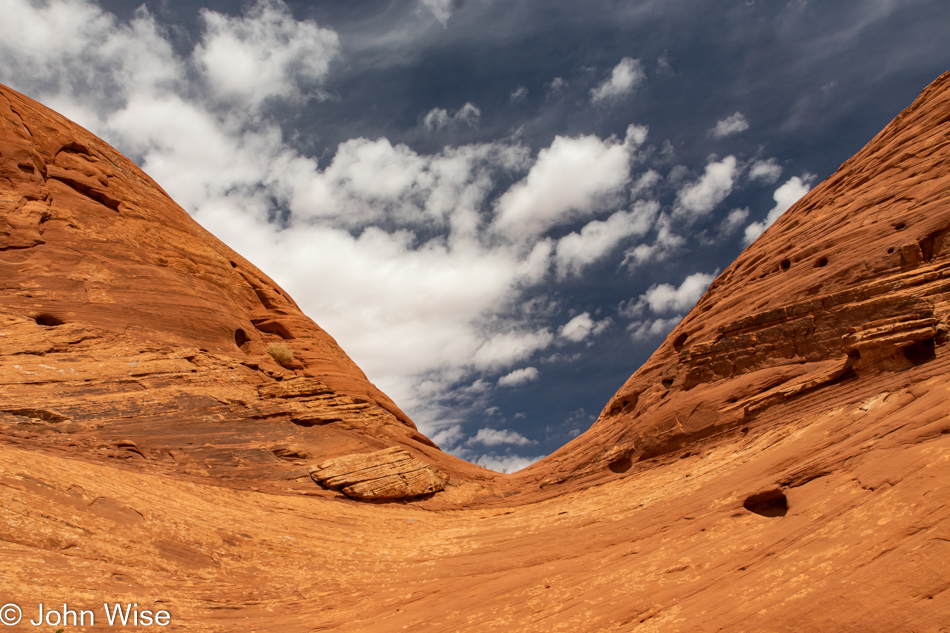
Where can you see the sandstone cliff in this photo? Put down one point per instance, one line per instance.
(131, 334)
(781, 463)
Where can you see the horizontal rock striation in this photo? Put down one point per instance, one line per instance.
(123, 320)
(391, 473)
(851, 286)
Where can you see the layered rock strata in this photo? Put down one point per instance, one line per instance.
(132, 335)
(851, 286)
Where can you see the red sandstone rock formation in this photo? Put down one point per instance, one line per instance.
(781, 463)
(132, 334)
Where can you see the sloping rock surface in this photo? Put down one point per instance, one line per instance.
(125, 324)
(781, 464)
(850, 288)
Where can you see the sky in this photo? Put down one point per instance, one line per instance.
(499, 208)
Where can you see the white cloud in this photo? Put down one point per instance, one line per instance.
(575, 251)
(263, 54)
(666, 298)
(730, 125)
(767, 171)
(504, 463)
(785, 196)
(582, 326)
(624, 78)
(503, 349)
(439, 118)
(519, 95)
(733, 221)
(448, 436)
(440, 9)
(636, 135)
(496, 437)
(702, 196)
(570, 179)
(519, 377)
(652, 328)
(665, 243)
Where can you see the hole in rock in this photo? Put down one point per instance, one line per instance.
(240, 337)
(921, 352)
(47, 320)
(785, 264)
(685, 455)
(621, 465)
(680, 341)
(233, 265)
(822, 262)
(667, 382)
(27, 167)
(890, 250)
(744, 430)
(310, 422)
(900, 226)
(767, 504)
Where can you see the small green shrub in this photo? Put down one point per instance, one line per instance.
(280, 352)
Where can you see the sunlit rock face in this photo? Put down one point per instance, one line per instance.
(133, 335)
(781, 463)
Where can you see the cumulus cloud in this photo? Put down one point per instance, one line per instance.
(730, 125)
(785, 196)
(439, 118)
(702, 196)
(519, 377)
(767, 171)
(582, 326)
(653, 328)
(575, 251)
(497, 437)
(624, 78)
(505, 463)
(666, 298)
(665, 243)
(570, 179)
(263, 54)
(506, 348)
(733, 221)
(657, 311)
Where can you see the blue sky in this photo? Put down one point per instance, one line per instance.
(498, 208)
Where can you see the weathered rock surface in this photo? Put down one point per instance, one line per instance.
(123, 321)
(391, 473)
(849, 289)
(781, 464)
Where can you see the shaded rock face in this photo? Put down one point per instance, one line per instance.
(782, 463)
(124, 323)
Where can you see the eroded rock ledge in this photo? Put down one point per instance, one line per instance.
(391, 473)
